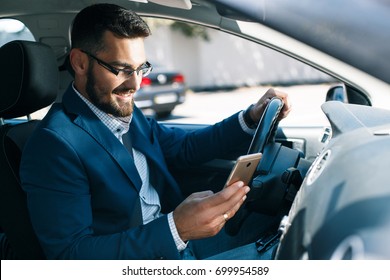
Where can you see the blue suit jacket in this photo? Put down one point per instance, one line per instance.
(83, 187)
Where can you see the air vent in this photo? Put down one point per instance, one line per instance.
(317, 167)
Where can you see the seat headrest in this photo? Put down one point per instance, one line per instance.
(29, 78)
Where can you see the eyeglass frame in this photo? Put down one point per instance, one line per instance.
(116, 71)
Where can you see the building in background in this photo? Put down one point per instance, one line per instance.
(201, 62)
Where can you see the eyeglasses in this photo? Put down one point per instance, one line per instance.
(145, 68)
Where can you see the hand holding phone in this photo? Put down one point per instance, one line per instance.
(244, 169)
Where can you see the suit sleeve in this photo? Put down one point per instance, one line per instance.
(59, 200)
(183, 149)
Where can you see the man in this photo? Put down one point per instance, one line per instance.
(101, 189)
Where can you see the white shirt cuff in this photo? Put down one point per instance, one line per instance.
(243, 125)
(180, 244)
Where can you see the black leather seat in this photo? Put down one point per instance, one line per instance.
(29, 82)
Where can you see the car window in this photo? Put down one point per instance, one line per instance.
(221, 74)
(225, 73)
(12, 29)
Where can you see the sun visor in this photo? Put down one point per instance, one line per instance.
(180, 4)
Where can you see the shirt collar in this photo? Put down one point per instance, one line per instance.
(117, 125)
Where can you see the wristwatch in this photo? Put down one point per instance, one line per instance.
(248, 119)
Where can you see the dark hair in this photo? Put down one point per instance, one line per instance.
(90, 24)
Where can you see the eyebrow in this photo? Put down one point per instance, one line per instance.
(125, 65)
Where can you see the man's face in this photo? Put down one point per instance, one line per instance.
(110, 93)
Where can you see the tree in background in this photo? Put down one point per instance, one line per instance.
(187, 29)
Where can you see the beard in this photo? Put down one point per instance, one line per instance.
(102, 98)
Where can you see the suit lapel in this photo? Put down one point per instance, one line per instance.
(143, 140)
(90, 123)
(160, 177)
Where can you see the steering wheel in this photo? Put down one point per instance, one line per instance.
(264, 135)
(267, 126)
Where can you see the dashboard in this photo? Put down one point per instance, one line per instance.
(342, 210)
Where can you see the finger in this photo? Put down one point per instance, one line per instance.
(264, 100)
(223, 218)
(228, 196)
(271, 93)
(284, 97)
(287, 104)
(231, 212)
(234, 202)
(286, 107)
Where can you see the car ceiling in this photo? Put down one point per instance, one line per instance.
(58, 14)
(353, 31)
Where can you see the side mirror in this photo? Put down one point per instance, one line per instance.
(337, 93)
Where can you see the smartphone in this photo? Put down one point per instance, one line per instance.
(244, 168)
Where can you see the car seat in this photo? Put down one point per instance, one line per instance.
(29, 81)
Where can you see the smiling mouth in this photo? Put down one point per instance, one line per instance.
(124, 94)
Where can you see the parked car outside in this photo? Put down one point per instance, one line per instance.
(162, 90)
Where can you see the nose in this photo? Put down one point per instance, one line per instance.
(133, 81)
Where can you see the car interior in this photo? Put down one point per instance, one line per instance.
(30, 78)
(324, 186)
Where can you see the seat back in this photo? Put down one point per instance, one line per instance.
(29, 82)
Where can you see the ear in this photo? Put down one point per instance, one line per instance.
(79, 61)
